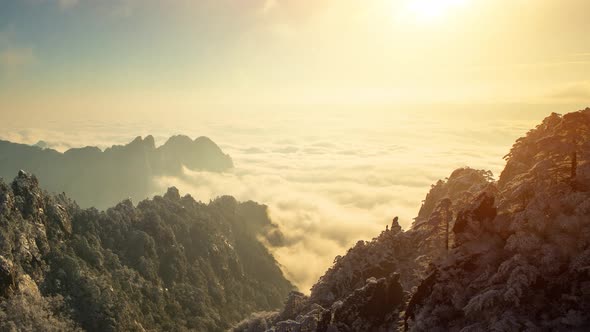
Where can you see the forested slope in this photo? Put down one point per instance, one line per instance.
(169, 263)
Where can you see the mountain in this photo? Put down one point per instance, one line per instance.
(96, 178)
(482, 255)
(168, 264)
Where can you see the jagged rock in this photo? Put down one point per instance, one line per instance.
(288, 326)
(296, 302)
(470, 221)
(460, 188)
(395, 226)
(421, 294)
(27, 286)
(372, 307)
(6, 199)
(27, 194)
(172, 194)
(57, 214)
(7, 276)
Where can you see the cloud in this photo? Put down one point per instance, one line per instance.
(319, 221)
(325, 189)
(573, 92)
(268, 6)
(323, 201)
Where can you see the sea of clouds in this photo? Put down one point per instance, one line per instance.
(329, 178)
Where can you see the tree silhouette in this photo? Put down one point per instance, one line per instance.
(438, 226)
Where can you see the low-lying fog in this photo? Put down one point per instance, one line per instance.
(329, 180)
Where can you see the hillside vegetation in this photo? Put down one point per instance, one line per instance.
(168, 264)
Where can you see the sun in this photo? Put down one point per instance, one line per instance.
(430, 11)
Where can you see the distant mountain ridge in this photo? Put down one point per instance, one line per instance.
(102, 178)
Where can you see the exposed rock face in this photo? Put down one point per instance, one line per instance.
(473, 221)
(101, 179)
(518, 256)
(170, 263)
(371, 307)
(7, 276)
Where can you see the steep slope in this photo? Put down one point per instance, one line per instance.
(480, 256)
(522, 258)
(170, 263)
(101, 179)
(391, 265)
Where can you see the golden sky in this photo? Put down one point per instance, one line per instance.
(130, 56)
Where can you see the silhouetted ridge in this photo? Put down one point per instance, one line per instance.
(101, 178)
(172, 155)
(169, 264)
(512, 255)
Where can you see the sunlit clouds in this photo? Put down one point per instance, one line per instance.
(429, 11)
(328, 180)
(339, 114)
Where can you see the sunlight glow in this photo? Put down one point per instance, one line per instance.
(429, 11)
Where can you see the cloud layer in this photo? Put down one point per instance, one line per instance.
(328, 178)
(573, 92)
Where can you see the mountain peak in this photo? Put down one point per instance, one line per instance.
(172, 194)
(148, 143)
(25, 183)
(102, 178)
(178, 140)
(550, 152)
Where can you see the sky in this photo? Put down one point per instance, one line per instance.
(339, 114)
(126, 57)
